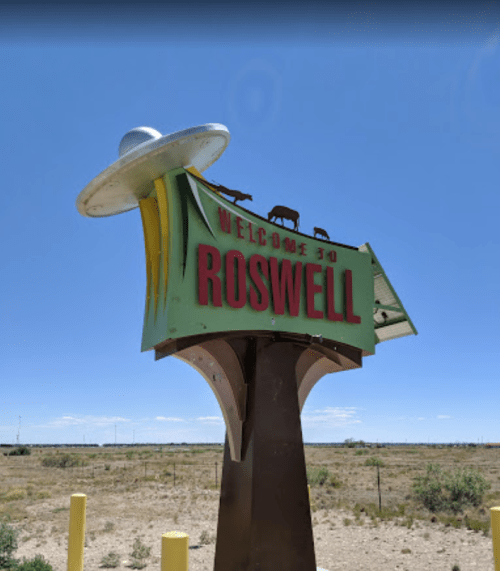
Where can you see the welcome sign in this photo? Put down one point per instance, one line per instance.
(213, 266)
(262, 312)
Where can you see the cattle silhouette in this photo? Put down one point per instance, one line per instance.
(236, 194)
(321, 232)
(284, 212)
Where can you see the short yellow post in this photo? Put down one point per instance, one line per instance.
(174, 551)
(495, 534)
(76, 539)
(309, 489)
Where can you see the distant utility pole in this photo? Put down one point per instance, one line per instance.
(19, 431)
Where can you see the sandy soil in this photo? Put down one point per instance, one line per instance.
(150, 513)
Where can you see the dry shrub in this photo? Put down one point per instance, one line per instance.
(16, 494)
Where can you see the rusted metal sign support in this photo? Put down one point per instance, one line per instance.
(264, 514)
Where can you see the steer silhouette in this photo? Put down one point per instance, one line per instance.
(321, 232)
(236, 194)
(284, 212)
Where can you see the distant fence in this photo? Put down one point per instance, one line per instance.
(165, 470)
(171, 471)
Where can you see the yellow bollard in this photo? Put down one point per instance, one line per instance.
(495, 534)
(309, 489)
(76, 539)
(174, 551)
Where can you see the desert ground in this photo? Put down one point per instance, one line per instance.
(131, 493)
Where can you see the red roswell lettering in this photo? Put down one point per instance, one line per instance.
(205, 274)
(231, 257)
(255, 261)
(311, 289)
(349, 312)
(284, 284)
(330, 297)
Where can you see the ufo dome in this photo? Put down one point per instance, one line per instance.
(136, 137)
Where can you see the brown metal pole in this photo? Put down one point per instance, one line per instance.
(264, 515)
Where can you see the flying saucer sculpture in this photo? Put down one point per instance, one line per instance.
(146, 155)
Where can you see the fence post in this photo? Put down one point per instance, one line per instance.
(76, 539)
(379, 496)
(495, 534)
(174, 551)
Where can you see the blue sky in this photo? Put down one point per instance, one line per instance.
(374, 136)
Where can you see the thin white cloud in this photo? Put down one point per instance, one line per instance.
(210, 419)
(169, 419)
(330, 416)
(89, 421)
(421, 418)
(443, 416)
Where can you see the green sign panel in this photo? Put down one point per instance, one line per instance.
(213, 266)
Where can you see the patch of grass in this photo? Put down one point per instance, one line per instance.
(16, 494)
(450, 521)
(372, 511)
(406, 550)
(374, 461)
(408, 521)
(139, 554)
(335, 482)
(43, 494)
(347, 521)
(110, 560)
(317, 476)
(109, 526)
(59, 460)
(20, 451)
(478, 525)
(205, 538)
(38, 563)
